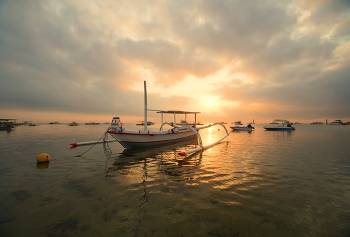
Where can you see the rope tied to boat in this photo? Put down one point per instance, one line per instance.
(104, 135)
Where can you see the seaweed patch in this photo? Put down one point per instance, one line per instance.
(21, 195)
(61, 228)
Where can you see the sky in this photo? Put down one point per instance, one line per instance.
(228, 59)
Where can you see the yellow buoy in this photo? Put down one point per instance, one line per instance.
(43, 157)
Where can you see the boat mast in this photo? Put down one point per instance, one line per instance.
(195, 119)
(145, 105)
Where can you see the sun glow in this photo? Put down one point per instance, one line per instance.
(209, 101)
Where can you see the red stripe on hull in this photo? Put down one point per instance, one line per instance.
(135, 140)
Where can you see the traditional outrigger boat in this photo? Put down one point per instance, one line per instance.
(142, 138)
(145, 137)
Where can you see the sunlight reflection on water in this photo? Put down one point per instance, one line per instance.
(251, 184)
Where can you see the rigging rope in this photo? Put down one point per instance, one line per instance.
(92, 145)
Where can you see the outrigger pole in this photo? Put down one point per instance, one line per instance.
(201, 148)
(104, 140)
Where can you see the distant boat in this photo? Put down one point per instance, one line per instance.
(337, 122)
(280, 125)
(249, 127)
(141, 123)
(29, 123)
(92, 123)
(7, 124)
(237, 122)
(185, 122)
(317, 123)
(54, 123)
(73, 124)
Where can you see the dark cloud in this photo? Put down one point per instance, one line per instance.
(87, 58)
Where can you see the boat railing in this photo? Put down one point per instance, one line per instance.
(172, 124)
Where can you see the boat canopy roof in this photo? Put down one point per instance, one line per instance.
(174, 112)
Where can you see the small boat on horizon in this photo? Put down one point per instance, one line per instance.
(317, 123)
(7, 124)
(237, 122)
(142, 123)
(92, 123)
(337, 122)
(185, 122)
(29, 123)
(54, 122)
(280, 125)
(73, 124)
(249, 127)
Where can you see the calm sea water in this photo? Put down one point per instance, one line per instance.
(262, 183)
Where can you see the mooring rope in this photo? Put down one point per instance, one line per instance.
(91, 146)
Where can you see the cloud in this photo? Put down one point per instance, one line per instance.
(92, 57)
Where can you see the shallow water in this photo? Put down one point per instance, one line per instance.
(262, 183)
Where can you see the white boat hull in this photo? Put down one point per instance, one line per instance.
(279, 128)
(337, 122)
(131, 139)
(285, 125)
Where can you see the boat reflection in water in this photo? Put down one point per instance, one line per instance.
(161, 159)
